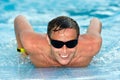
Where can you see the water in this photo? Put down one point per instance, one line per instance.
(104, 66)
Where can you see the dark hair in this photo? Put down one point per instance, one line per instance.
(62, 22)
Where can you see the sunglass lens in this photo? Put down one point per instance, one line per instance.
(71, 44)
(57, 44)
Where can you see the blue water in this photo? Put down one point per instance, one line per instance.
(104, 66)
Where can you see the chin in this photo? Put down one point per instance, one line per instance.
(64, 62)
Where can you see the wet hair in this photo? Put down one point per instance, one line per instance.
(62, 22)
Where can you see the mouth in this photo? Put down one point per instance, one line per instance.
(64, 59)
(64, 56)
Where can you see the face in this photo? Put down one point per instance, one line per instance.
(64, 54)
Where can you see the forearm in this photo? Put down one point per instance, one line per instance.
(95, 26)
(21, 25)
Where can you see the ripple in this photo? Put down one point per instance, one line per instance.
(9, 7)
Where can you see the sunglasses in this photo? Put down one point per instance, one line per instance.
(59, 44)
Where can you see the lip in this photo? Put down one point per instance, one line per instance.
(66, 56)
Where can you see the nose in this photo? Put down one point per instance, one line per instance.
(64, 49)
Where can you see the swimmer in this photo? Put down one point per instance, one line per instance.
(63, 45)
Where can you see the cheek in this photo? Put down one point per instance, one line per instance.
(69, 50)
(54, 50)
(72, 50)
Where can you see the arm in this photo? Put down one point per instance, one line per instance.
(94, 30)
(21, 25)
(94, 27)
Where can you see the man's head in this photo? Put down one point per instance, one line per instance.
(63, 33)
(62, 22)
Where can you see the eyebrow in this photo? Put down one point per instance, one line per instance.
(63, 41)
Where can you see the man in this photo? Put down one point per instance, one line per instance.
(62, 45)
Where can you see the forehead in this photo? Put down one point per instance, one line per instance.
(64, 34)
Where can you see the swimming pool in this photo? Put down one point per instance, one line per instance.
(104, 66)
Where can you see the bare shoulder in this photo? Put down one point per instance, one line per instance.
(96, 38)
(33, 41)
(89, 45)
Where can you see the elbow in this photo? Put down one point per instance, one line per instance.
(18, 18)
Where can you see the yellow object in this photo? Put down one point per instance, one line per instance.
(21, 50)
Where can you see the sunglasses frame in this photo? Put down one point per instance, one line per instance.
(60, 44)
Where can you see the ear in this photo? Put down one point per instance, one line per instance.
(48, 39)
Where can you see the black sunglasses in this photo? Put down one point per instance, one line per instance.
(59, 44)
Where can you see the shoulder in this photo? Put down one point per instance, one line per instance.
(95, 41)
(92, 37)
(27, 37)
(32, 40)
(89, 44)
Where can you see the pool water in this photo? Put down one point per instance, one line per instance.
(104, 66)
